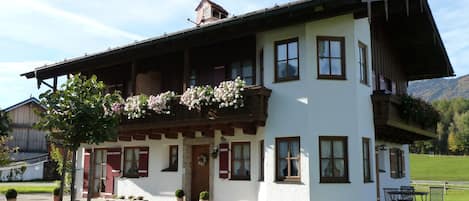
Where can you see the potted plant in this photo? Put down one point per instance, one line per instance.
(204, 196)
(11, 194)
(56, 194)
(180, 195)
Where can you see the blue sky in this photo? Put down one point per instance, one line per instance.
(34, 33)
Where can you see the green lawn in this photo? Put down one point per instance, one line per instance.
(439, 168)
(28, 189)
(452, 195)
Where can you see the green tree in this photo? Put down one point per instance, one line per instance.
(453, 144)
(5, 150)
(461, 122)
(4, 123)
(76, 114)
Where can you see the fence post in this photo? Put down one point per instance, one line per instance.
(446, 187)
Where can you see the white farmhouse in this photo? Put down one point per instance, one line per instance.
(325, 115)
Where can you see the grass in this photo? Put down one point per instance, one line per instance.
(28, 189)
(439, 168)
(452, 195)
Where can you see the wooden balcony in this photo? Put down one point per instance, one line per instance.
(208, 119)
(390, 124)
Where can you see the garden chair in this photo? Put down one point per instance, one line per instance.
(436, 193)
(387, 196)
(407, 197)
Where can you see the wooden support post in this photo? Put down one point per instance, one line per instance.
(90, 176)
(55, 84)
(186, 70)
(133, 79)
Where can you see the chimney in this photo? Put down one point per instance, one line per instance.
(208, 11)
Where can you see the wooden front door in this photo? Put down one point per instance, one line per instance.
(200, 170)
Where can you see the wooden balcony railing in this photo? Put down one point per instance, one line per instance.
(253, 114)
(391, 125)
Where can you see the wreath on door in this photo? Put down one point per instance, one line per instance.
(202, 159)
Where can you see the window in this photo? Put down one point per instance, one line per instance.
(288, 159)
(366, 160)
(331, 57)
(131, 162)
(244, 70)
(261, 165)
(240, 161)
(173, 158)
(333, 159)
(286, 60)
(397, 163)
(193, 78)
(362, 61)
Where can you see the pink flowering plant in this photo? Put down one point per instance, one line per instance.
(228, 93)
(160, 103)
(196, 97)
(135, 106)
(114, 104)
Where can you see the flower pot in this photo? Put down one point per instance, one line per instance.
(180, 199)
(11, 199)
(56, 198)
(203, 200)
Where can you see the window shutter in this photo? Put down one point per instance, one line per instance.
(223, 159)
(113, 167)
(86, 169)
(143, 162)
(393, 162)
(402, 163)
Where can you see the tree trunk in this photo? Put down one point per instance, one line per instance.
(74, 170)
(90, 177)
(64, 171)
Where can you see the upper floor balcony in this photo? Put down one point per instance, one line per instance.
(206, 120)
(403, 119)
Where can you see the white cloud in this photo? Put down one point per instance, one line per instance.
(15, 88)
(42, 25)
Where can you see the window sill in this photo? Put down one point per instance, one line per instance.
(368, 181)
(169, 170)
(240, 179)
(286, 80)
(332, 78)
(290, 182)
(335, 182)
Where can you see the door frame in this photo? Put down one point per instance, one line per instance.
(187, 163)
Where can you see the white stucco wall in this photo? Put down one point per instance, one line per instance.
(33, 171)
(310, 108)
(385, 179)
(158, 185)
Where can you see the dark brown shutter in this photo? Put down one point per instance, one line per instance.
(223, 159)
(143, 162)
(113, 168)
(86, 170)
(402, 163)
(393, 157)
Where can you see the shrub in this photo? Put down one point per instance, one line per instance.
(131, 197)
(179, 193)
(122, 197)
(11, 193)
(204, 195)
(56, 191)
(140, 198)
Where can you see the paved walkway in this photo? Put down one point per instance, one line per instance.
(46, 183)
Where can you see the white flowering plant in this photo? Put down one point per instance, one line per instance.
(196, 97)
(113, 104)
(228, 93)
(135, 106)
(160, 103)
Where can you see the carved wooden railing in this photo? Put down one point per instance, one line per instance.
(254, 112)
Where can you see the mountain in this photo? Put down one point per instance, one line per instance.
(437, 89)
